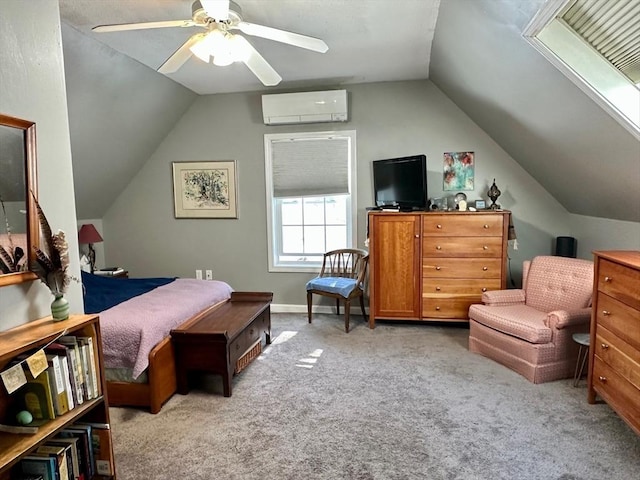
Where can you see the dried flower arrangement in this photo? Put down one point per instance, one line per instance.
(52, 262)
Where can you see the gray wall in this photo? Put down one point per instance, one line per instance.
(391, 119)
(33, 87)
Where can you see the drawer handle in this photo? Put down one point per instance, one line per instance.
(417, 236)
(608, 279)
(485, 248)
(485, 268)
(438, 268)
(606, 313)
(602, 379)
(438, 226)
(604, 346)
(484, 289)
(438, 247)
(237, 346)
(485, 226)
(437, 309)
(251, 332)
(437, 289)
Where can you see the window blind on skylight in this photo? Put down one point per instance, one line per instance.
(308, 167)
(612, 28)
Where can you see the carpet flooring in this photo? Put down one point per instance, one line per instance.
(402, 401)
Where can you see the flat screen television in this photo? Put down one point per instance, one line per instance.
(401, 182)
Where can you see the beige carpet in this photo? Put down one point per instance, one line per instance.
(398, 402)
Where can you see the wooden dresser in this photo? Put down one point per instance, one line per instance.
(434, 265)
(614, 353)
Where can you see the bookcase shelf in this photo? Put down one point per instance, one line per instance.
(32, 336)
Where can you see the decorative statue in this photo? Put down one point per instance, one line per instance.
(493, 193)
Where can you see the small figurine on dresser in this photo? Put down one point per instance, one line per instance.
(493, 193)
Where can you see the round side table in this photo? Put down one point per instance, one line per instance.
(583, 340)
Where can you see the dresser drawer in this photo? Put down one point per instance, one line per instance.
(472, 225)
(446, 307)
(620, 282)
(461, 286)
(619, 355)
(462, 247)
(461, 268)
(621, 395)
(617, 317)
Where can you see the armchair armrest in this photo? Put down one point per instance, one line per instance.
(562, 319)
(503, 297)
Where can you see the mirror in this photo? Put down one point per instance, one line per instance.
(18, 218)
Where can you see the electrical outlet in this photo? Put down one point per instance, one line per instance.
(199, 274)
(209, 275)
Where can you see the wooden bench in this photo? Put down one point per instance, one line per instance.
(225, 340)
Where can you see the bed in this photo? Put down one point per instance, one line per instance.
(136, 318)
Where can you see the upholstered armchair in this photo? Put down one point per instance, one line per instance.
(530, 329)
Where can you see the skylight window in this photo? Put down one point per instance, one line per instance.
(596, 44)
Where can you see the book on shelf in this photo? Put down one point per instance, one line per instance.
(92, 372)
(101, 442)
(72, 453)
(66, 375)
(56, 380)
(37, 398)
(37, 465)
(62, 454)
(71, 341)
(26, 476)
(72, 366)
(85, 443)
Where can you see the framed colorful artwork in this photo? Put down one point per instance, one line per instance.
(205, 189)
(458, 171)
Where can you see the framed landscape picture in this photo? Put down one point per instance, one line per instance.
(205, 189)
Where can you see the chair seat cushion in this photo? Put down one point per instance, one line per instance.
(337, 285)
(520, 321)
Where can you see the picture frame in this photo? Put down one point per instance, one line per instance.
(206, 189)
(458, 171)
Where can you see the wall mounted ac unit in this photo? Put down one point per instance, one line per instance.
(305, 107)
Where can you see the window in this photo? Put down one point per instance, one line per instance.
(596, 45)
(311, 207)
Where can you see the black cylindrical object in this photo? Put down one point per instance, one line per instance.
(566, 247)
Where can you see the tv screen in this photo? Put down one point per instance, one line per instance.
(401, 182)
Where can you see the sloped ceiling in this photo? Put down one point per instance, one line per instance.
(586, 160)
(478, 58)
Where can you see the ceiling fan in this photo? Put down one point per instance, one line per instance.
(217, 44)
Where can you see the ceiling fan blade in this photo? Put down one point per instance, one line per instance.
(144, 25)
(179, 57)
(302, 41)
(256, 62)
(217, 9)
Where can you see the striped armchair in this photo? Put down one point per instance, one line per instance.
(530, 330)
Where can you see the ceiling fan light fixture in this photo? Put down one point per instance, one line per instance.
(223, 59)
(200, 48)
(212, 44)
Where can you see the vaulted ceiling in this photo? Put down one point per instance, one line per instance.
(472, 50)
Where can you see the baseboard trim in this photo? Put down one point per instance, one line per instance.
(283, 308)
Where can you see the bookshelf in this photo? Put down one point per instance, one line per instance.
(27, 338)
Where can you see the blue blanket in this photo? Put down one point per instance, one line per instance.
(101, 293)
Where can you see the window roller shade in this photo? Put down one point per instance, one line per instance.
(307, 167)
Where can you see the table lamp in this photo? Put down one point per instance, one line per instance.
(89, 235)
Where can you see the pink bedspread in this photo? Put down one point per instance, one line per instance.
(131, 329)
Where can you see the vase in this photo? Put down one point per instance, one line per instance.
(60, 307)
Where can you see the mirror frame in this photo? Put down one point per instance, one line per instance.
(33, 229)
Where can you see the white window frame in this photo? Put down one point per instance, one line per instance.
(273, 218)
(584, 66)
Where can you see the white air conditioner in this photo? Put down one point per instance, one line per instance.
(305, 107)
